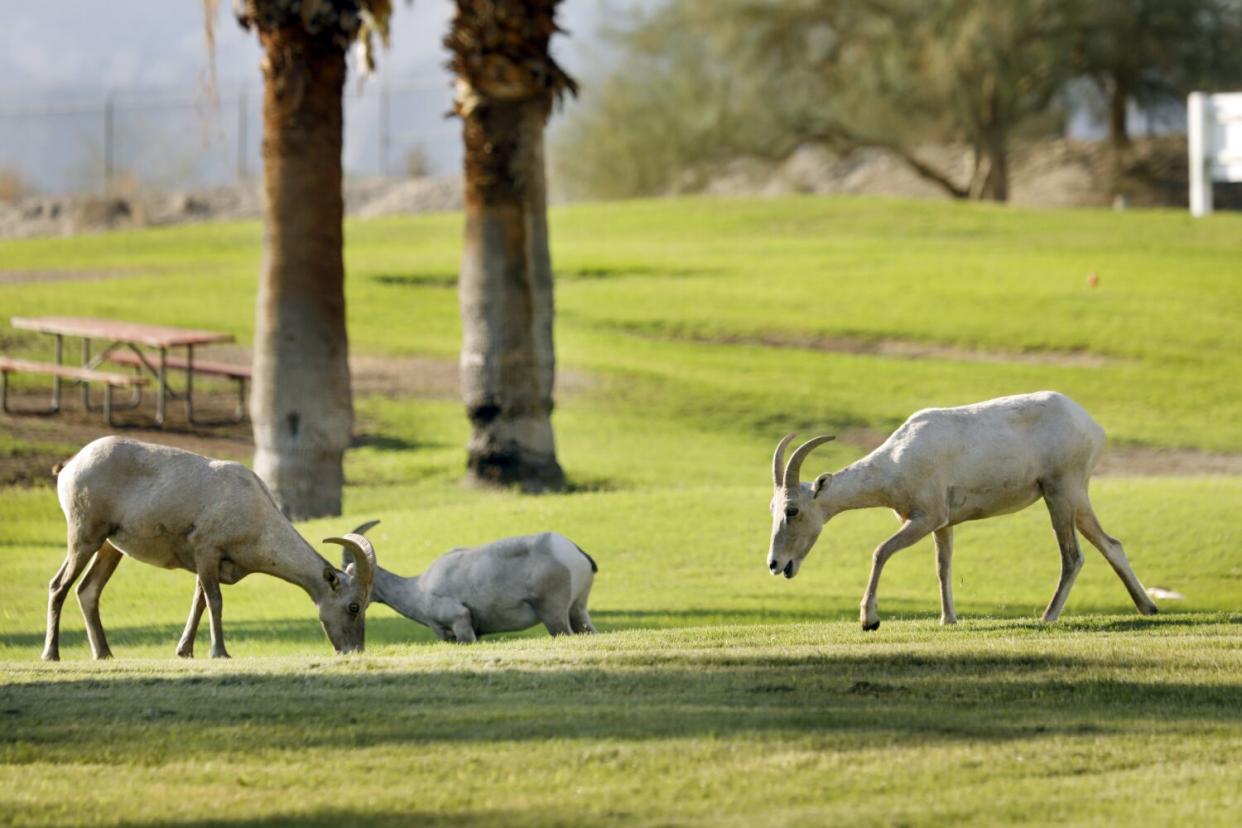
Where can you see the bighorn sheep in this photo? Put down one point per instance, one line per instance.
(175, 509)
(503, 586)
(944, 466)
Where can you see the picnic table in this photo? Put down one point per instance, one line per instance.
(123, 342)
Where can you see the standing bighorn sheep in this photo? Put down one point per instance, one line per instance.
(944, 466)
(179, 510)
(503, 586)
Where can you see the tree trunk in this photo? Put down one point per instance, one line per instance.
(507, 358)
(1118, 109)
(300, 403)
(996, 184)
(1118, 134)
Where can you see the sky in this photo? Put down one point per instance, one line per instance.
(71, 46)
(60, 60)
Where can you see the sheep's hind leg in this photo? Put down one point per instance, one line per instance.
(579, 618)
(208, 565)
(79, 556)
(554, 613)
(553, 606)
(1062, 512)
(944, 571)
(185, 647)
(1113, 552)
(89, 589)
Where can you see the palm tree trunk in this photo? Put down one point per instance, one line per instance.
(506, 83)
(507, 359)
(300, 404)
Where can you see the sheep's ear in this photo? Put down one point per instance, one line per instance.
(362, 530)
(329, 575)
(821, 483)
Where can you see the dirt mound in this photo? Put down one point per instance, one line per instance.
(72, 214)
(1059, 173)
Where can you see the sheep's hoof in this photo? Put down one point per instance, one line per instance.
(1152, 610)
(51, 655)
(871, 626)
(948, 621)
(185, 653)
(104, 656)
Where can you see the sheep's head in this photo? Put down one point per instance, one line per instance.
(796, 516)
(342, 611)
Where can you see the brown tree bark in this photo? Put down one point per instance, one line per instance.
(507, 83)
(508, 364)
(300, 403)
(996, 153)
(1118, 109)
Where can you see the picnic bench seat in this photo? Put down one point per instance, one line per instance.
(201, 366)
(239, 373)
(9, 365)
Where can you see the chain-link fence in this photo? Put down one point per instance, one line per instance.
(182, 139)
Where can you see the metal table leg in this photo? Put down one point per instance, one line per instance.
(189, 383)
(60, 360)
(160, 403)
(86, 386)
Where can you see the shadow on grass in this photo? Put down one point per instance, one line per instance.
(339, 817)
(1087, 624)
(858, 701)
(419, 280)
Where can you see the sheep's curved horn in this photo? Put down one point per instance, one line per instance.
(800, 453)
(778, 459)
(364, 559)
(362, 530)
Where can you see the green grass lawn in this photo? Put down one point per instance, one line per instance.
(691, 336)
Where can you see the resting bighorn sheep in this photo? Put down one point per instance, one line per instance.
(503, 586)
(179, 510)
(944, 466)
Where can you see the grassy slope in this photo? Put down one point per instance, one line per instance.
(669, 440)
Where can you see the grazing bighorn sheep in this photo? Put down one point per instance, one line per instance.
(503, 586)
(944, 466)
(179, 510)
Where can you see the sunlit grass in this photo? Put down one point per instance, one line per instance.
(715, 694)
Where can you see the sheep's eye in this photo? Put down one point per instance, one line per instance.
(791, 512)
(354, 608)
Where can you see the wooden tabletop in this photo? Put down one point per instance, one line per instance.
(154, 336)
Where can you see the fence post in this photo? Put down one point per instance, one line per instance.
(109, 139)
(242, 114)
(383, 129)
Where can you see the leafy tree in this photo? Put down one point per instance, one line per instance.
(884, 73)
(506, 84)
(1155, 52)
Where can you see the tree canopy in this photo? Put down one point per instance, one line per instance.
(704, 81)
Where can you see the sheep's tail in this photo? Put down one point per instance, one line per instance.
(58, 468)
(594, 566)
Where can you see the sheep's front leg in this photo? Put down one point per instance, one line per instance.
(209, 582)
(944, 571)
(911, 532)
(185, 648)
(463, 629)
